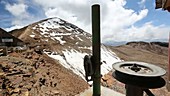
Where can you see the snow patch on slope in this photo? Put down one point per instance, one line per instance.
(49, 24)
(73, 60)
(107, 59)
(60, 40)
(56, 28)
(32, 36)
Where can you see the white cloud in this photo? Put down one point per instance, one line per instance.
(19, 11)
(147, 32)
(74, 11)
(117, 22)
(142, 3)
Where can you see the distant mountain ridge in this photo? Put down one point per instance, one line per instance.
(156, 47)
(162, 44)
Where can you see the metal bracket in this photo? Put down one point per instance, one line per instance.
(88, 67)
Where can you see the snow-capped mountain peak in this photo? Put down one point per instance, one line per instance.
(66, 43)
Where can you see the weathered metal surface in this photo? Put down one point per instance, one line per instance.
(96, 49)
(158, 4)
(142, 82)
(164, 4)
(88, 68)
(139, 77)
(139, 69)
(167, 4)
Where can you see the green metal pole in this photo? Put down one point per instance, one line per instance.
(96, 49)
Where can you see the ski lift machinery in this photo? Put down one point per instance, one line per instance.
(138, 77)
(92, 63)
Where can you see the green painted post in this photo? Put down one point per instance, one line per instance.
(96, 49)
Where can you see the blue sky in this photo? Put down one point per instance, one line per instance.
(158, 16)
(122, 20)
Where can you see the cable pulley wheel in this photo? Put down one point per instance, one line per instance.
(139, 69)
(139, 74)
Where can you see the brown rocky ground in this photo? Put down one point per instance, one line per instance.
(50, 77)
(139, 51)
(32, 74)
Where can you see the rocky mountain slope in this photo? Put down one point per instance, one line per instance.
(64, 46)
(65, 42)
(32, 74)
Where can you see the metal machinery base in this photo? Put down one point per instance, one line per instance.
(139, 77)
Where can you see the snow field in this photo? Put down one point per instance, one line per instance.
(73, 60)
